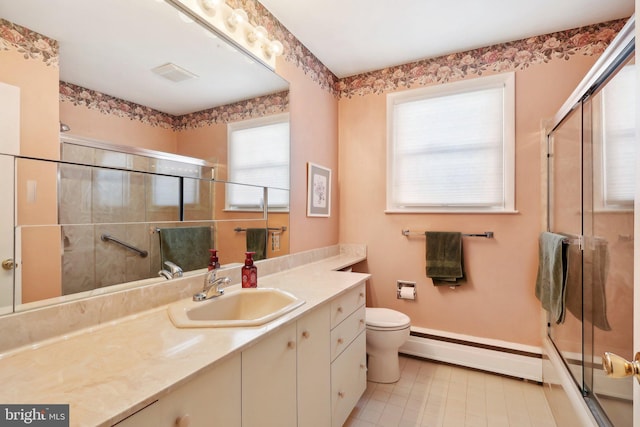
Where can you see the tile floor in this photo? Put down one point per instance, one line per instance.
(433, 394)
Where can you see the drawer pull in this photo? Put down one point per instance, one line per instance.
(291, 345)
(363, 366)
(305, 334)
(183, 421)
(361, 294)
(340, 340)
(341, 394)
(339, 309)
(361, 322)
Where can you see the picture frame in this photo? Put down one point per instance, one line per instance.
(318, 190)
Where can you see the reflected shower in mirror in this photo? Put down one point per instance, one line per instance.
(88, 66)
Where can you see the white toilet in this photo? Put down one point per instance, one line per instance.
(387, 330)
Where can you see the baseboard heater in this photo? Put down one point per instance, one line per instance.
(500, 357)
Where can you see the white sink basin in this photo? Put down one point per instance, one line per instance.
(243, 307)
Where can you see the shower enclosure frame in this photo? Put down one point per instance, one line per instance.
(578, 108)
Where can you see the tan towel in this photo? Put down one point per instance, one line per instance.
(550, 283)
(444, 257)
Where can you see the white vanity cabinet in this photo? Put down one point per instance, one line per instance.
(269, 380)
(310, 373)
(307, 373)
(211, 399)
(314, 368)
(348, 353)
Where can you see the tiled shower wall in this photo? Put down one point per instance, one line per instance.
(129, 206)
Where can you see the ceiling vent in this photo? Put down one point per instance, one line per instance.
(173, 72)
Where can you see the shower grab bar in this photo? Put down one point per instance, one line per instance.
(488, 234)
(283, 228)
(109, 238)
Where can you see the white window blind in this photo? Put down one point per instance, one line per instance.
(258, 154)
(450, 147)
(619, 123)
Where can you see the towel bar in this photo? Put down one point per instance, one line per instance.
(487, 234)
(283, 228)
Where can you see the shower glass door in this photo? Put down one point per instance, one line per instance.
(591, 163)
(608, 210)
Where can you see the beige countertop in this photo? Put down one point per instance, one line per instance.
(109, 371)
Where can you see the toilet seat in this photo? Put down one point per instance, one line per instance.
(384, 319)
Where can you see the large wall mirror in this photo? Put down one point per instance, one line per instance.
(129, 118)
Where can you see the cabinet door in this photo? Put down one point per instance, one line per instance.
(211, 399)
(348, 380)
(314, 369)
(269, 381)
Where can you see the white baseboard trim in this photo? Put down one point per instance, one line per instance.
(500, 357)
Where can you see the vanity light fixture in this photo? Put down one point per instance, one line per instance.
(234, 24)
(236, 19)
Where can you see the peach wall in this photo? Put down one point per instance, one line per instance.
(93, 124)
(314, 138)
(499, 292)
(39, 117)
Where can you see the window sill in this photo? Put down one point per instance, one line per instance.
(450, 211)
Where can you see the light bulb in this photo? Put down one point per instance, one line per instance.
(273, 48)
(258, 34)
(236, 18)
(209, 6)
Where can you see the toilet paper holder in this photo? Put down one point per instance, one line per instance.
(406, 290)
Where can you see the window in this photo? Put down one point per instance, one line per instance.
(451, 147)
(618, 147)
(258, 154)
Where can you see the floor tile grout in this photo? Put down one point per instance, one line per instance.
(434, 394)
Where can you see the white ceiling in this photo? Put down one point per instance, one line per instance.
(356, 36)
(112, 46)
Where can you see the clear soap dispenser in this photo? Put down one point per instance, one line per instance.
(249, 272)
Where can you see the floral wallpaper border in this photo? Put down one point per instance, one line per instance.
(241, 110)
(29, 43)
(515, 55)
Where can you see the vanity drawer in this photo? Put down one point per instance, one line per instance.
(348, 380)
(346, 304)
(346, 331)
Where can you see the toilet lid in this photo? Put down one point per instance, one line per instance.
(386, 318)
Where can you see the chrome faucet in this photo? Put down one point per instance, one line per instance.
(173, 272)
(212, 287)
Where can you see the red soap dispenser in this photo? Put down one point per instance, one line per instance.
(213, 260)
(249, 272)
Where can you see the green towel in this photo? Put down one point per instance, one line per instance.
(444, 257)
(257, 242)
(187, 247)
(550, 283)
(592, 306)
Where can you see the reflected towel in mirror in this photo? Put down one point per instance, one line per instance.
(188, 247)
(257, 242)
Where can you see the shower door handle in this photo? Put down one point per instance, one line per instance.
(618, 367)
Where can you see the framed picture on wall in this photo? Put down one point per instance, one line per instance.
(318, 190)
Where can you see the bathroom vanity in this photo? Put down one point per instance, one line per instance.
(307, 367)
